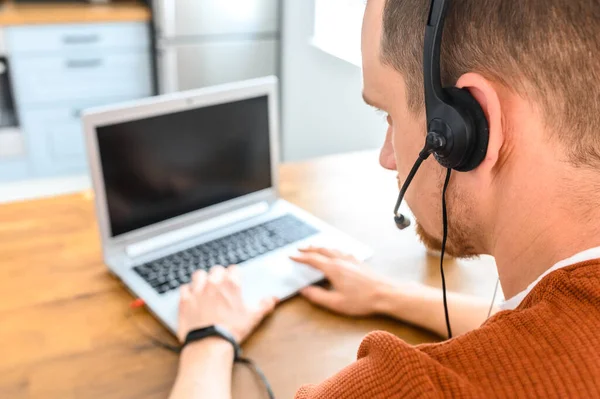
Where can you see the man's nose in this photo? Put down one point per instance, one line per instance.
(387, 157)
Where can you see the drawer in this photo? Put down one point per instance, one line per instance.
(55, 137)
(88, 75)
(69, 38)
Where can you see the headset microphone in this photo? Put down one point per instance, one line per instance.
(435, 142)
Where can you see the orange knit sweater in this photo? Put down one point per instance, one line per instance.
(549, 347)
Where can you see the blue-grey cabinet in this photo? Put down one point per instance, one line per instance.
(59, 70)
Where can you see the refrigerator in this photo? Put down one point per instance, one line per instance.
(201, 43)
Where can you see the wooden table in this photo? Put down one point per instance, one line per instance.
(63, 326)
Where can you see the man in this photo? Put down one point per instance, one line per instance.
(533, 204)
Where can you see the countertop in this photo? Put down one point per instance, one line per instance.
(65, 13)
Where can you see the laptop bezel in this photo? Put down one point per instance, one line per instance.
(172, 103)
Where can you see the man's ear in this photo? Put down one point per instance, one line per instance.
(486, 94)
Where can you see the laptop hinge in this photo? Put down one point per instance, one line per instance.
(177, 236)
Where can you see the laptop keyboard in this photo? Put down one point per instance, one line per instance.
(168, 273)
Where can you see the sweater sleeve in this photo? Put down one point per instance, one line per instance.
(388, 367)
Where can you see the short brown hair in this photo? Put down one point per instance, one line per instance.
(545, 50)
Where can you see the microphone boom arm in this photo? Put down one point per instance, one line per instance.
(434, 142)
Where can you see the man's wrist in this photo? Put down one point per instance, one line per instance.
(390, 299)
(210, 346)
(383, 298)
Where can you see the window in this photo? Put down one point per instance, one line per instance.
(337, 28)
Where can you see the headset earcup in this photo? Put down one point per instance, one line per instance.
(463, 99)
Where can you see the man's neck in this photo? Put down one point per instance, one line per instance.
(540, 234)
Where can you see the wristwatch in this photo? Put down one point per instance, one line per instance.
(214, 331)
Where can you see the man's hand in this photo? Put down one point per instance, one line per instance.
(358, 292)
(216, 298)
(355, 291)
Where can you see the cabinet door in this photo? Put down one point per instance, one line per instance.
(14, 169)
(55, 137)
(56, 141)
(187, 67)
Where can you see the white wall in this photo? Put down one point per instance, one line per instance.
(323, 111)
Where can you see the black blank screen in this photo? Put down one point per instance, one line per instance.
(166, 166)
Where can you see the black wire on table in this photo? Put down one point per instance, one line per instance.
(259, 373)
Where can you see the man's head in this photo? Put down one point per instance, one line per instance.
(530, 64)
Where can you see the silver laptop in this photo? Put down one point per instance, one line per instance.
(189, 181)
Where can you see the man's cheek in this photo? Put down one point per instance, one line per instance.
(405, 159)
(408, 144)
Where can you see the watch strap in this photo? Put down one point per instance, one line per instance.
(214, 331)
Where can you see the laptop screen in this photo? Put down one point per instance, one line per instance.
(166, 166)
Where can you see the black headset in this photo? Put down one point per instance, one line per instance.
(457, 129)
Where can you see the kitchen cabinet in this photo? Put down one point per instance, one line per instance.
(59, 70)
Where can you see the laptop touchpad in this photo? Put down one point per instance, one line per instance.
(275, 276)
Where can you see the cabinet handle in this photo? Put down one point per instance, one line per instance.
(84, 63)
(81, 39)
